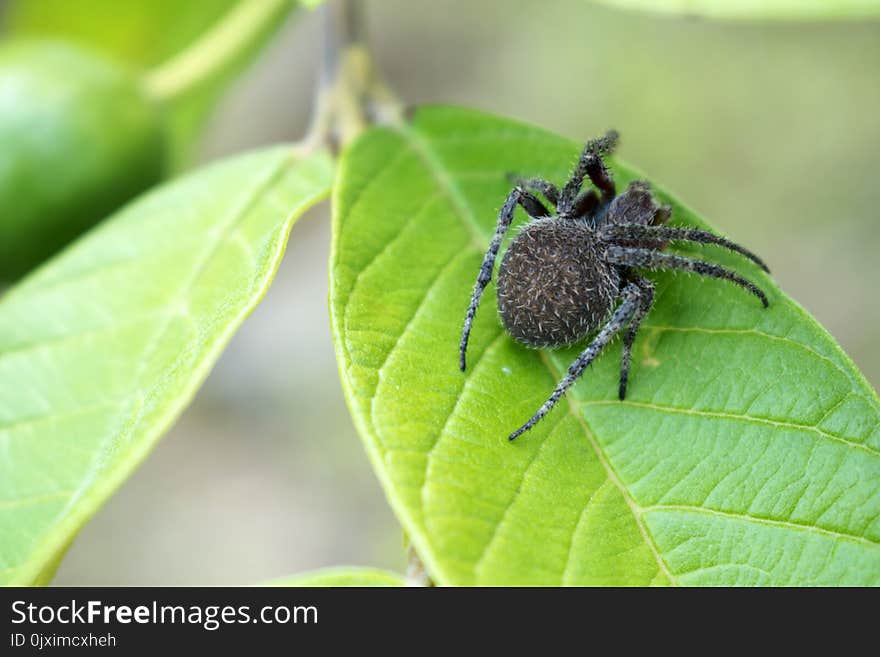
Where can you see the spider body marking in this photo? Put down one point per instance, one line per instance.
(570, 272)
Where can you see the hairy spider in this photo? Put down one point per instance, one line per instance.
(563, 274)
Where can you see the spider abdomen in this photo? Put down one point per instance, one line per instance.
(553, 285)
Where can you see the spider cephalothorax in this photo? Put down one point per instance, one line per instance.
(564, 273)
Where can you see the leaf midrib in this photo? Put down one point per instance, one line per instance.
(634, 508)
(463, 211)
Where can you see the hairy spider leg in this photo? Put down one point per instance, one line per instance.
(632, 300)
(635, 232)
(534, 208)
(647, 301)
(589, 164)
(648, 259)
(544, 187)
(585, 204)
(662, 215)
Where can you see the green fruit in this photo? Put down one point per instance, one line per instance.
(78, 137)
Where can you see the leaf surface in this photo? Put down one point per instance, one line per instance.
(747, 451)
(141, 32)
(342, 576)
(103, 347)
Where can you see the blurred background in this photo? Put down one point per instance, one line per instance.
(770, 131)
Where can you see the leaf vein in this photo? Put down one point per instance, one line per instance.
(447, 185)
(744, 517)
(735, 416)
(768, 336)
(600, 454)
(516, 493)
(583, 514)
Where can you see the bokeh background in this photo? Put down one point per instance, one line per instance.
(771, 131)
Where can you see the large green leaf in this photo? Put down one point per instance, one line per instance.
(102, 348)
(191, 82)
(342, 576)
(757, 9)
(142, 32)
(747, 450)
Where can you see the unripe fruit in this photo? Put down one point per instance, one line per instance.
(78, 137)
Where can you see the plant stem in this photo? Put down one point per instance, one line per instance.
(351, 94)
(216, 52)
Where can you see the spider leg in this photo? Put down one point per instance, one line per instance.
(585, 204)
(632, 300)
(534, 208)
(648, 259)
(647, 300)
(544, 187)
(590, 164)
(661, 213)
(661, 216)
(635, 232)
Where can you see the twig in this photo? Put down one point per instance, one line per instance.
(351, 94)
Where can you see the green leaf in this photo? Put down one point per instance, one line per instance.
(747, 450)
(103, 347)
(756, 9)
(142, 32)
(342, 576)
(78, 138)
(191, 82)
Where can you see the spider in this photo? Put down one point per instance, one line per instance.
(564, 273)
